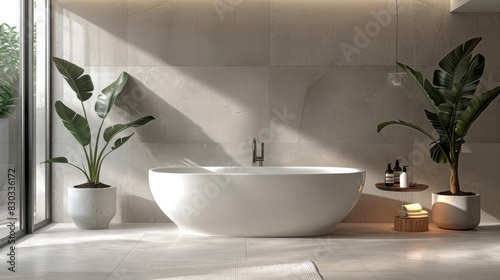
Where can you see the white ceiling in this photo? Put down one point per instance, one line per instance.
(475, 6)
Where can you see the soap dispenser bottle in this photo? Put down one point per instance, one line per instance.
(403, 179)
(389, 176)
(397, 172)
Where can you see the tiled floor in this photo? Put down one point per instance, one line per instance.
(353, 251)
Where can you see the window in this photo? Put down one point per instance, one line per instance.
(24, 117)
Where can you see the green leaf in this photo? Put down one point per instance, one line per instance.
(112, 131)
(64, 160)
(445, 81)
(81, 85)
(474, 74)
(57, 160)
(476, 106)
(457, 80)
(119, 142)
(458, 67)
(107, 98)
(439, 152)
(436, 122)
(450, 62)
(74, 123)
(433, 96)
(407, 124)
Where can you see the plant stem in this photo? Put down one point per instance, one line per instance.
(82, 170)
(96, 160)
(455, 149)
(89, 177)
(100, 158)
(89, 158)
(454, 181)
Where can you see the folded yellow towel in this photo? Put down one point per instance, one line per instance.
(414, 214)
(415, 217)
(412, 207)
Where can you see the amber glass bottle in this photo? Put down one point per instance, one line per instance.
(389, 176)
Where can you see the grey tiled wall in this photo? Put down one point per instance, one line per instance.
(216, 73)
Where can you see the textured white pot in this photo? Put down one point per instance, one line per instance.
(92, 208)
(456, 212)
(4, 151)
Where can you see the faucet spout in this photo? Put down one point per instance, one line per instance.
(257, 160)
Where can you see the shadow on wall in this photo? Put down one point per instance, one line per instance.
(231, 104)
(138, 209)
(170, 126)
(169, 138)
(368, 209)
(157, 144)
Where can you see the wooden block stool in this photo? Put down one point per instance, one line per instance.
(411, 224)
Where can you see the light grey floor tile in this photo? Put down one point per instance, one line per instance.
(164, 228)
(451, 274)
(353, 251)
(347, 275)
(158, 248)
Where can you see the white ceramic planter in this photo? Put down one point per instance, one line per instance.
(92, 208)
(456, 212)
(4, 151)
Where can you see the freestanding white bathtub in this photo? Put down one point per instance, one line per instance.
(256, 201)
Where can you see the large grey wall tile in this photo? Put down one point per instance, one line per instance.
(337, 104)
(202, 104)
(90, 32)
(428, 31)
(193, 32)
(340, 32)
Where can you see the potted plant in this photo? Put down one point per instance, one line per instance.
(455, 107)
(9, 73)
(92, 205)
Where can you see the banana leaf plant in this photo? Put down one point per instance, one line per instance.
(7, 102)
(9, 68)
(454, 103)
(78, 125)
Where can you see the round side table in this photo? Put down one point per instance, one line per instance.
(407, 224)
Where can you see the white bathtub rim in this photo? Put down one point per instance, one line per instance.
(251, 170)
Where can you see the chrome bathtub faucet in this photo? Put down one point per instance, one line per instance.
(257, 159)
